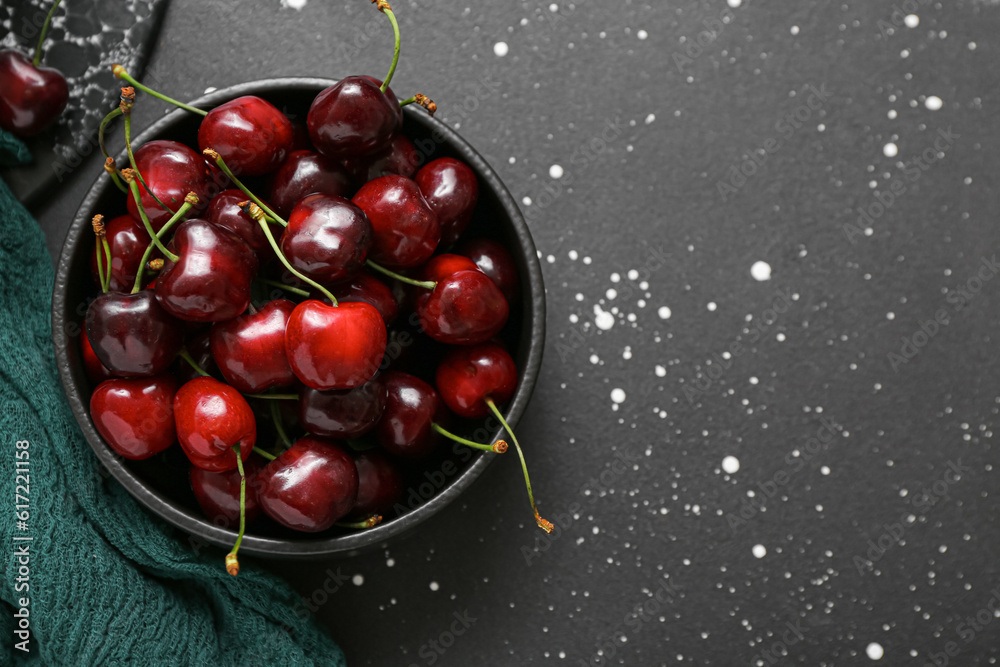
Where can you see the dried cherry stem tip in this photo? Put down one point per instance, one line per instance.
(370, 522)
(232, 564)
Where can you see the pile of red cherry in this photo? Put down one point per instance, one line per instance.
(189, 344)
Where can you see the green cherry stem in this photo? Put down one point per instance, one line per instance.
(275, 397)
(370, 522)
(120, 72)
(499, 447)
(45, 29)
(426, 284)
(278, 426)
(267, 455)
(270, 216)
(189, 201)
(99, 248)
(232, 563)
(281, 285)
(131, 159)
(383, 6)
(109, 162)
(542, 523)
(186, 356)
(130, 178)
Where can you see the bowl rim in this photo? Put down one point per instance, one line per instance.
(350, 543)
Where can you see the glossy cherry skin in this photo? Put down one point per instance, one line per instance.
(132, 334)
(327, 238)
(446, 264)
(211, 419)
(251, 135)
(225, 212)
(451, 189)
(210, 281)
(467, 376)
(250, 349)
(307, 173)
(399, 157)
(171, 170)
(464, 308)
(334, 347)
(406, 229)
(348, 413)
(411, 407)
(135, 416)
(127, 241)
(31, 97)
(96, 371)
(310, 486)
(380, 485)
(493, 260)
(352, 118)
(369, 289)
(218, 493)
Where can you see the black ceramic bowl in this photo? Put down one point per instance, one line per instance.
(161, 483)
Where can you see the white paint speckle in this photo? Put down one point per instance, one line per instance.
(933, 103)
(642, 34)
(357, 580)
(556, 171)
(730, 464)
(890, 150)
(650, 119)
(712, 306)
(759, 550)
(210, 89)
(500, 49)
(664, 312)
(794, 30)
(825, 470)
(618, 395)
(874, 650)
(761, 271)
(603, 319)
(294, 4)
(735, 3)
(434, 586)
(911, 20)
(661, 371)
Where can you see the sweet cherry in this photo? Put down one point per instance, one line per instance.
(493, 260)
(307, 173)
(127, 239)
(250, 349)
(171, 170)
(31, 96)
(412, 408)
(212, 419)
(334, 347)
(352, 118)
(406, 229)
(135, 416)
(380, 485)
(347, 413)
(218, 493)
(327, 238)
(224, 211)
(251, 134)
(132, 334)
(451, 190)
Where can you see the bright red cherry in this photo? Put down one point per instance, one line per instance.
(470, 375)
(307, 173)
(210, 281)
(464, 308)
(334, 347)
(348, 413)
(493, 260)
(412, 406)
(310, 485)
(127, 240)
(31, 96)
(352, 118)
(171, 170)
(366, 287)
(218, 493)
(327, 238)
(96, 371)
(132, 334)
(380, 485)
(252, 135)
(250, 349)
(135, 416)
(212, 418)
(406, 229)
(451, 189)
(399, 157)
(225, 212)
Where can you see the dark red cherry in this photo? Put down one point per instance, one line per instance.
(467, 376)
(380, 485)
(224, 212)
(327, 238)
(127, 240)
(369, 289)
(135, 416)
(96, 371)
(411, 407)
(464, 308)
(352, 118)
(210, 282)
(212, 418)
(132, 334)
(334, 347)
(493, 260)
(251, 135)
(310, 485)
(31, 97)
(348, 413)
(389, 96)
(399, 157)
(307, 173)
(171, 170)
(199, 346)
(451, 189)
(406, 229)
(443, 265)
(218, 493)
(250, 349)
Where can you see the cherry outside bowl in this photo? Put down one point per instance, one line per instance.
(163, 486)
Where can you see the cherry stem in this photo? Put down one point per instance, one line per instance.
(270, 216)
(426, 284)
(383, 6)
(370, 522)
(107, 254)
(135, 167)
(267, 455)
(109, 162)
(542, 523)
(45, 29)
(185, 207)
(186, 356)
(498, 448)
(422, 100)
(134, 187)
(278, 426)
(275, 397)
(232, 564)
(281, 285)
(120, 72)
(102, 250)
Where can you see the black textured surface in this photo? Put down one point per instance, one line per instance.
(645, 196)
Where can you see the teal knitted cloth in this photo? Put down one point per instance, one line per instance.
(107, 584)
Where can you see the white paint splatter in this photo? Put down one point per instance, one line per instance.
(761, 271)
(660, 371)
(664, 313)
(730, 464)
(911, 20)
(933, 103)
(890, 150)
(794, 30)
(434, 586)
(642, 34)
(618, 395)
(874, 651)
(357, 580)
(712, 306)
(735, 3)
(759, 551)
(603, 319)
(556, 171)
(650, 119)
(294, 4)
(501, 49)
